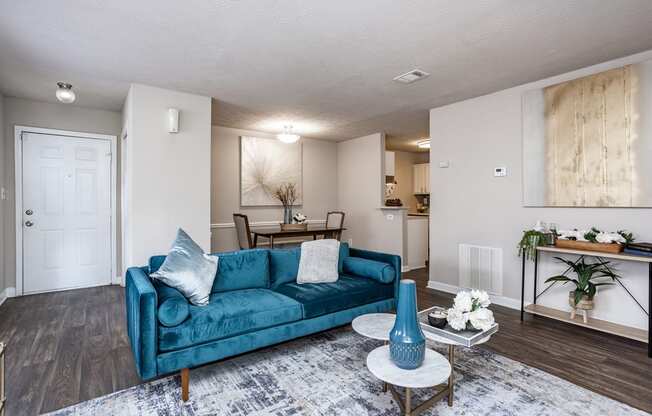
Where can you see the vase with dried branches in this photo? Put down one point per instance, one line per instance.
(287, 194)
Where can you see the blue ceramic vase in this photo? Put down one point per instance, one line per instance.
(407, 345)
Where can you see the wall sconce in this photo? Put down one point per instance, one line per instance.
(173, 120)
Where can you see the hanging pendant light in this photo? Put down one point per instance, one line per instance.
(65, 94)
(287, 136)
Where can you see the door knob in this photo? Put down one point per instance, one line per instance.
(29, 212)
(28, 223)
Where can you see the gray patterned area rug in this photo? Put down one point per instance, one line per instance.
(325, 374)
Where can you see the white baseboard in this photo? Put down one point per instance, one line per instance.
(498, 300)
(9, 292)
(407, 268)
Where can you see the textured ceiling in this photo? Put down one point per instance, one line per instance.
(324, 66)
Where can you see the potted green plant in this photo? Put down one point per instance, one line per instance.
(529, 242)
(585, 286)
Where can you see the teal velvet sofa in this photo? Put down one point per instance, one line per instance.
(255, 302)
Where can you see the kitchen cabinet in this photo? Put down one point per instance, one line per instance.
(421, 178)
(390, 164)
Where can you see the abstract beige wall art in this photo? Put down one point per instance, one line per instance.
(265, 164)
(587, 142)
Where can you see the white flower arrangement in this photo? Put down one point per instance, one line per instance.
(470, 307)
(299, 218)
(595, 235)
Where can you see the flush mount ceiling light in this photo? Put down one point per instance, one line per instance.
(423, 144)
(65, 94)
(287, 136)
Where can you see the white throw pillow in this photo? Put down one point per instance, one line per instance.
(319, 261)
(187, 269)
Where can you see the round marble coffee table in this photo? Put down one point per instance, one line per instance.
(434, 371)
(374, 325)
(378, 325)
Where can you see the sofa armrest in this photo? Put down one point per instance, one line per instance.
(392, 259)
(141, 303)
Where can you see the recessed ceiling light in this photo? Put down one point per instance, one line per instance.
(65, 94)
(412, 76)
(287, 136)
(423, 144)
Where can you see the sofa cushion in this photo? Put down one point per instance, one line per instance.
(155, 263)
(348, 292)
(245, 269)
(372, 269)
(172, 304)
(283, 266)
(229, 314)
(344, 253)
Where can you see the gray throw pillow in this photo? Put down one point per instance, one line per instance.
(319, 261)
(187, 269)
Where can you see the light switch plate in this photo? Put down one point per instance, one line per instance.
(390, 217)
(500, 171)
(444, 164)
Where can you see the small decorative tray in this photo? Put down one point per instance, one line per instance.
(465, 338)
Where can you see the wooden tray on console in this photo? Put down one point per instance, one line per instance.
(614, 248)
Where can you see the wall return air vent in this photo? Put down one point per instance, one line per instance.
(412, 76)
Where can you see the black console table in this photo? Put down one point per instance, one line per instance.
(596, 324)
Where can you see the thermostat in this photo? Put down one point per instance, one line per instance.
(500, 171)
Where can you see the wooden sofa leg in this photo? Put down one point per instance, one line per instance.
(185, 378)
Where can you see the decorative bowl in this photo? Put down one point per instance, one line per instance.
(437, 318)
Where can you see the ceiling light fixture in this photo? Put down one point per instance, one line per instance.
(65, 94)
(423, 144)
(287, 136)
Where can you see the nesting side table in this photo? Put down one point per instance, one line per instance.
(378, 325)
(434, 371)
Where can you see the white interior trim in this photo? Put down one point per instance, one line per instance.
(18, 183)
(498, 300)
(9, 292)
(260, 224)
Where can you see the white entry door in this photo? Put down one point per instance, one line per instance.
(66, 212)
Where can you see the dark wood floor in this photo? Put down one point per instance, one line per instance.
(64, 348)
(67, 347)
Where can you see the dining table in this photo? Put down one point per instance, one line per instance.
(312, 230)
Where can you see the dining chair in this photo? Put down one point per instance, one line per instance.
(335, 219)
(244, 232)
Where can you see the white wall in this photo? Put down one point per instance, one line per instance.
(360, 191)
(24, 112)
(3, 205)
(319, 184)
(167, 175)
(470, 205)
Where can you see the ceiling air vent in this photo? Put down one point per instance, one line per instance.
(410, 77)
